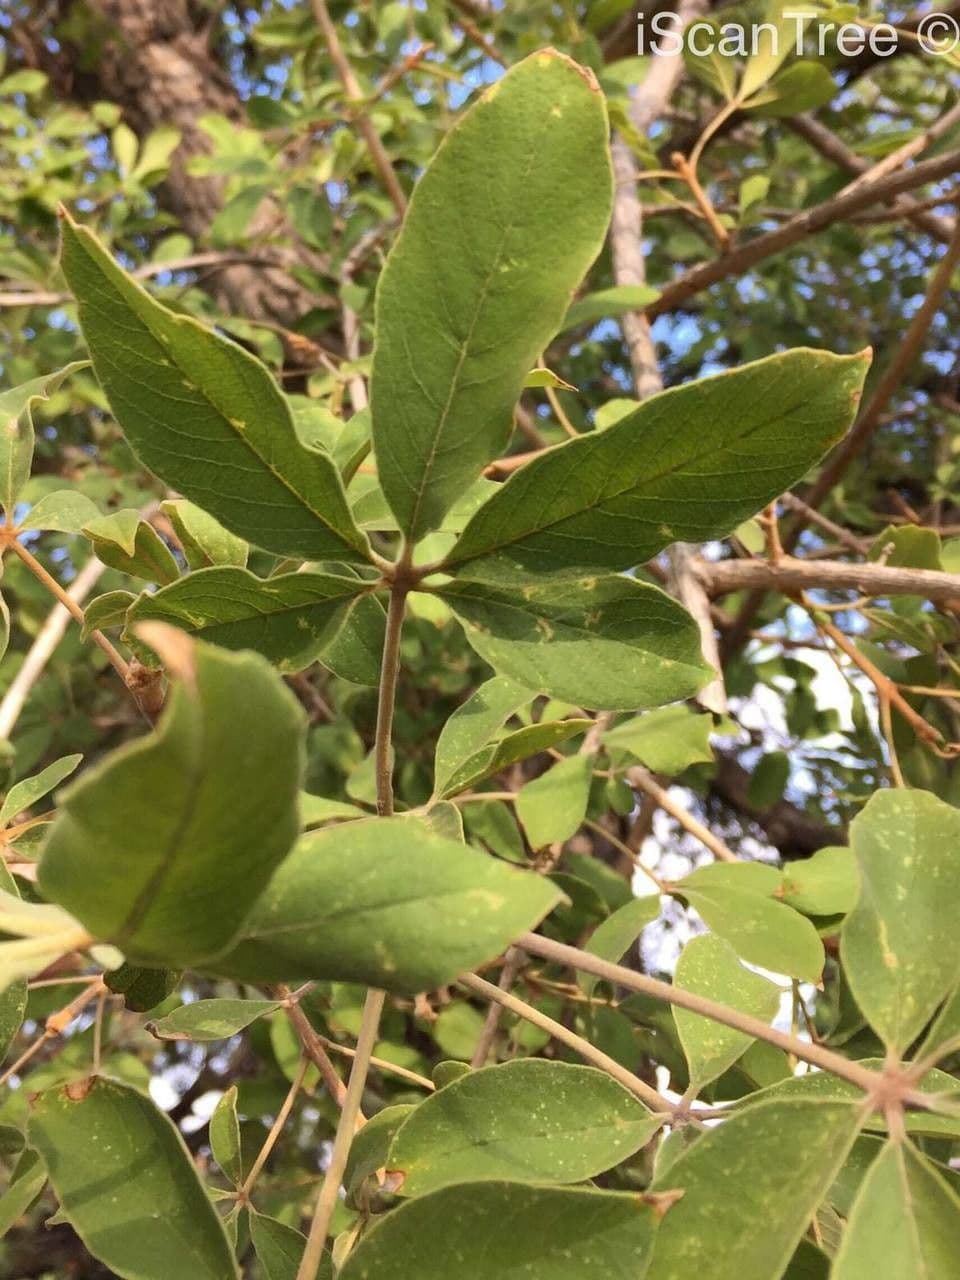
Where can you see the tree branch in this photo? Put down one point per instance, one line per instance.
(806, 223)
(791, 576)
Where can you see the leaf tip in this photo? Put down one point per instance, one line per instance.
(549, 54)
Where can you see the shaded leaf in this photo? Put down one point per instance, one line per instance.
(824, 884)
(25, 793)
(225, 1136)
(288, 618)
(473, 724)
(898, 944)
(555, 1233)
(905, 1222)
(204, 540)
(17, 433)
(127, 1184)
(414, 911)
(278, 1247)
(744, 1205)
(28, 1180)
(689, 465)
(530, 1119)
(553, 806)
(166, 844)
(667, 740)
(215, 1019)
(63, 511)
(610, 303)
(466, 305)
(615, 935)
(206, 416)
(709, 967)
(125, 541)
(610, 643)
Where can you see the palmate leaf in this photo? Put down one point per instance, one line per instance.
(165, 845)
(688, 465)
(608, 643)
(387, 903)
(205, 416)
(502, 226)
(288, 618)
(127, 1183)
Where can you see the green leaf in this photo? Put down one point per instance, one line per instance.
(761, 930)
(206, 416)
(108, 610)
(142, 989)
(473, 724)
(614, 936)
(205, 541)
(822, 885)
(316, 810)
(610, 643)
(898, 944)
(127, 1184)
(125, 541)
(610, 303)
(555, 1233)
(288, 618)
(25, 793)
(667, 740)
(541, 377)
(28, 1180)
(552, 807)
(63, 511)
(688, 465)
(215, 1019)
(905, 1222)
(802, 87)
(530, 1119)
(368, 1151)
(709, 967)
(750, 1187)
(225, 1136)
(167, 843)
(387, 903)
(519, 745)
(355, 650)
(774, 40)
(17, 434)
(466, 305)
(278, 1247)
(13, 999)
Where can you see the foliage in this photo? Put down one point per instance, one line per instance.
(387, 649)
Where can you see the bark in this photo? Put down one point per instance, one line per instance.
(156, 64)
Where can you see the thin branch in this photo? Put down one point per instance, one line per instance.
(356, 96)
(815, 1054)
(907, 351)
(512, 964)
(327, 1200)
(312, 1046)
(790, 576)
(558, 1031)
(806, 223)
(837, 151)
(45, 645)
(276, 1128)
(119, 664)
(639, 777)
(389, 671)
